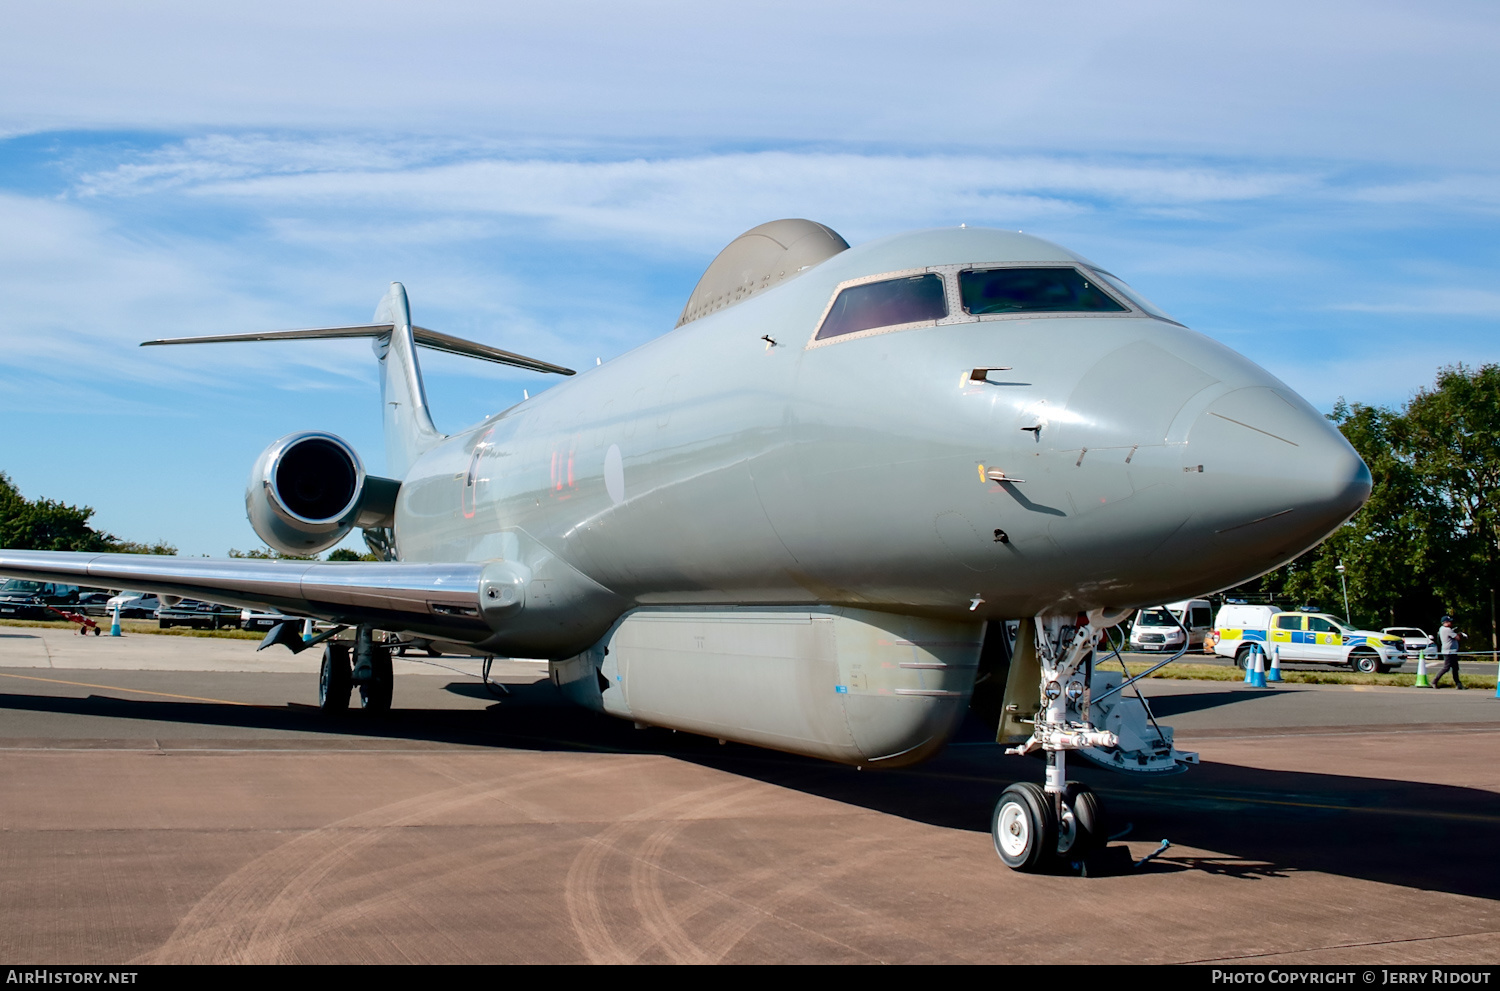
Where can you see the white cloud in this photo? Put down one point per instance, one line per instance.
(689, 200)
(1444, 301)
(1376, 79)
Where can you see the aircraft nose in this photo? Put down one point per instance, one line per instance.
(1266, 473)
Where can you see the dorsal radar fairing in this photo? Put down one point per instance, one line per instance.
(758, 259)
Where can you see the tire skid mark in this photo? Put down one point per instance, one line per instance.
(723, 938)
(581, 889)
(797, 881)
(270, 936)
(400, 898)
(647, 872)
(663, 925)
(246, 917)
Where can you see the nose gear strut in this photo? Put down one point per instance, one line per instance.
(1035, 829)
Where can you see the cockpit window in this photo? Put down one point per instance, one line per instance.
(1119, 286)
(1033, 290)
(915, 299)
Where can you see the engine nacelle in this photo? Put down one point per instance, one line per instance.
(308, 490)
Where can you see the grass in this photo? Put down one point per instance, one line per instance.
(138, 626)
(1215, 672)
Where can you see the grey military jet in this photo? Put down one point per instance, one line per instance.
(802, 518)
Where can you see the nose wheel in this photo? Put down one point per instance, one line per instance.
(1024, 828)
(1035, 833)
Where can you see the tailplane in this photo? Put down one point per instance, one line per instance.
(408, 422)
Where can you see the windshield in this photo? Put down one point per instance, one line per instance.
(1033, 290)
(1155, 617)
(17, 586)
(891, 303)
(1115, 283)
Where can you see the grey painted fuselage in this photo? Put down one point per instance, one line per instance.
(712, 467)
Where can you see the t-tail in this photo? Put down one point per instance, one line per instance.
(409, 430)
(403, 401)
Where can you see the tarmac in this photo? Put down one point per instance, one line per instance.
(178, 799)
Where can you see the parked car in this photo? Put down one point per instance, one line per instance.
(1417, 641)
(251, 619)
(23, 599)
(199, 615)
(94, 603)
(133, 605)
(1157, 628)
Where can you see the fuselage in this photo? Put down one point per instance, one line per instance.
(1142, 462)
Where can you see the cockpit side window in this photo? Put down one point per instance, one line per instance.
(889, 303)
(1033, 290)
(1140, 301)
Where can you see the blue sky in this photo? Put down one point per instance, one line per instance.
(1312, 183)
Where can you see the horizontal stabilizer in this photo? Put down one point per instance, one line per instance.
(423, 337)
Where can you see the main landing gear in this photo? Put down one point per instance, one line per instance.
(371, 672)
(1039, 829)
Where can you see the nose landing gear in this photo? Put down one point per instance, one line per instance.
(1038, 828)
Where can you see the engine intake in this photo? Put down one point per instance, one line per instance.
(308, 490)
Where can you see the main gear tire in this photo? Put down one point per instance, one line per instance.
(335, 679)
(375, 695)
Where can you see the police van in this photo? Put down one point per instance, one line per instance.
(1305, 637)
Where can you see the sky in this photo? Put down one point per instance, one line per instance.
(1314, 184)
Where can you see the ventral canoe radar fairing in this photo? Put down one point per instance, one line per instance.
(802, 518)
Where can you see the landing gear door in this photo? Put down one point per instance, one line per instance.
(1022, 688)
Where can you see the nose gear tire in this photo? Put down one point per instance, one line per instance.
(1024, 828)
(1090, 829)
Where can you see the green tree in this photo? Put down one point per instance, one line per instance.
(267, 554)
(45, 525)
(132, 547)
(348, 554)
(1451, 436)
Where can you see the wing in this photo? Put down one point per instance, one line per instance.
(440, 600)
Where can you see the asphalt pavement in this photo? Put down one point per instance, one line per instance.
(180, 800)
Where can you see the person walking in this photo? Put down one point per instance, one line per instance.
(1449, 637)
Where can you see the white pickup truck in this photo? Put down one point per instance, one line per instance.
(1304, 637)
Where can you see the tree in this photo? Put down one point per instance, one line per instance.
(348, 554)
(45, 525)
(1451, 435)
(267, 554)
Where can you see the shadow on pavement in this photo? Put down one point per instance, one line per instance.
(1266, 823)
(1164, 706)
